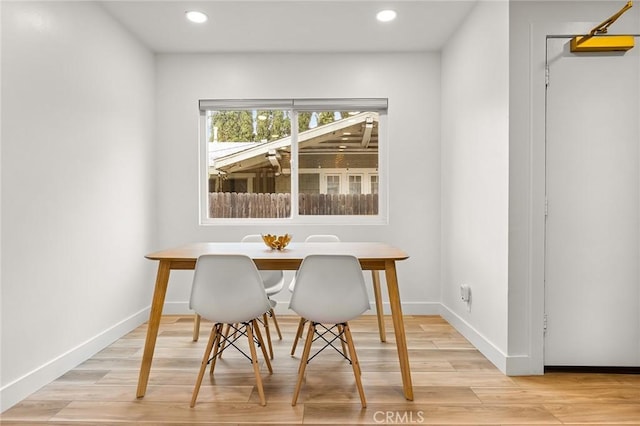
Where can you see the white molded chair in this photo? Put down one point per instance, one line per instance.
(228, 289)
(273, 282)
(375, 278)
(329, 292)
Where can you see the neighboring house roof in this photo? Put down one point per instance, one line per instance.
(352, 134)
(223, 149)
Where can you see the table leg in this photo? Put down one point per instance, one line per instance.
(196, 327)
(398, 327)
(375, 276)
(157, 303)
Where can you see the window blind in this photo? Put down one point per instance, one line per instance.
(343, 104)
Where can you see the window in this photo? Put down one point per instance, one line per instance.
(333, 184)
(355, 184)
(304, 160)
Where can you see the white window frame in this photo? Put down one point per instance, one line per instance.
(297, 105)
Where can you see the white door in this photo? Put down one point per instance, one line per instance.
(592, 255)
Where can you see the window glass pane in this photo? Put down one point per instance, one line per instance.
(355, 184)
(249, 163)
(333, 184)
(374, 184)
(309, 183)
(341, 147)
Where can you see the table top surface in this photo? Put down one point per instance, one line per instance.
(294, 251)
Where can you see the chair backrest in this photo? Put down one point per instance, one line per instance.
(329, 289)
(316, 238)
(252, 238)
(227, 288)
(269, 278)
(322, 238)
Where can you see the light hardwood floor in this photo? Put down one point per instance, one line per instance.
(453, 384)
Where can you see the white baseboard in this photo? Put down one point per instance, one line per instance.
(511, 365)
(418, 308)
(411, 308)
(523, 365)
(19, 389)
(176, 308)
(488, 349)
(282, 308)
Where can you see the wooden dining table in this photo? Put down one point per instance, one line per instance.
(374, 256)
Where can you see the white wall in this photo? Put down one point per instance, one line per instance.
(77, 188)
(475, 172)
(410, 81)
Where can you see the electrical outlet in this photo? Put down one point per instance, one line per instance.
(465, 293)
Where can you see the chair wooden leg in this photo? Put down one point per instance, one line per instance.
(225, 333)
(268, 333)
(353, 357)
(342, 337)
(196, 327)
(254, 361)
(261, 341)
(375, 276)
(203, 366)
(216, 347)
(303, 361)
(355, 364)
(275, 322)
(299, 332)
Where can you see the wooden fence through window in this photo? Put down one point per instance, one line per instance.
(247, 205)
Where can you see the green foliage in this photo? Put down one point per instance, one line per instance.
(232, 126)
(263, 125)
(281, 125)
(272, 125)
(304, 119)
(325, 117)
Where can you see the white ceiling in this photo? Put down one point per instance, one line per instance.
(291, 26)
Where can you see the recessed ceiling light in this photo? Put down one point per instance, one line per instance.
(197, 17)
(386, 15)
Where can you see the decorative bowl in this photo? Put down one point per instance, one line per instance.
(277, 242)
